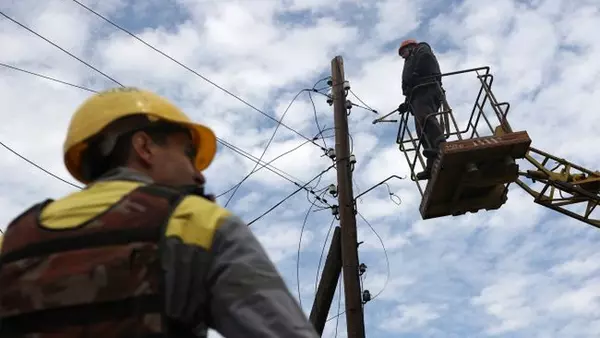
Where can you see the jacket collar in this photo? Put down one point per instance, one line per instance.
(125, 174)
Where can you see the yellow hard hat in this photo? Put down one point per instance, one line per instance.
(101, 109)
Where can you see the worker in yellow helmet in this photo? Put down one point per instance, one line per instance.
(423, 97)
(141, 251)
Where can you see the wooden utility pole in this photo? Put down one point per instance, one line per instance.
(327, 283)
(354, 311)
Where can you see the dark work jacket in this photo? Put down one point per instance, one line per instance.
(420, 63)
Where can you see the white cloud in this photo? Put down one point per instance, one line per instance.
(519, 271)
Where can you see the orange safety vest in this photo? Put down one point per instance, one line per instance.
(102, 278)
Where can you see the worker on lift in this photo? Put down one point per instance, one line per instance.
(142, 250)
(423, 95)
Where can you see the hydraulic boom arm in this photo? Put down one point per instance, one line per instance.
(564, 187)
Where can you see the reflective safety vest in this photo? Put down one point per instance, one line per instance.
(102, 278)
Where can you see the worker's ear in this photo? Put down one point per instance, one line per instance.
(144, 148)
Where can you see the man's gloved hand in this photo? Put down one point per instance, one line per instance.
(403, 108)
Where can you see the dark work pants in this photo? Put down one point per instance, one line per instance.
(426, 101)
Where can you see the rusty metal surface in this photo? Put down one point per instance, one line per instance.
(452, 190)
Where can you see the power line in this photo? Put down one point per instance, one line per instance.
(387, 260)
(290, 195)
(62, 49)
(279, 123)
(271, 161)
(337, 321)
(47, 77)
(133, 35)
(223, 142)
(190, 69)
(267, 165)
(366, 106)
(298, 256)
(316, 118)
(323, 252)
(39, 166)
(204, 78)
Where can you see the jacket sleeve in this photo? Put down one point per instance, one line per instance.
(247, 296)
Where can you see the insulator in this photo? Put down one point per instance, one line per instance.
(348, 104)
(331, 153)
(335, 210)
(366, 296)
(352, 159)
(346, 85)
(333, 190)
(362, 268)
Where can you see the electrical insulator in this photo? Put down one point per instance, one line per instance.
(346, 85)
(331, 153)
(348, 104)
(352, 159)
(329, 100)
(329, 82)
(335, 210)
(333, 190)
(362, 268)
(366, 296)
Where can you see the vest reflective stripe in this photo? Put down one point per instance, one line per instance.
(102, 278)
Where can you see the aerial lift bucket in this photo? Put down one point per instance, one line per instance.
(472, 171)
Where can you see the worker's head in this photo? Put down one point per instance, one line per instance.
(137, 129)
(406, 47)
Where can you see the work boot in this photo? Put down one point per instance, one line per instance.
(430, 152)
(426, 173)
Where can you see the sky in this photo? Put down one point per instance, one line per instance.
(520, 271)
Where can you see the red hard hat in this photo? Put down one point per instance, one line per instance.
(405, 43)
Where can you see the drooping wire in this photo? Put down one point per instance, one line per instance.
(322, 253)
(267, 146)
(339, 305)
(316, 118)
(398, 200)
(190, 70)
(298, 255)
(292, 194)
(268, 163)
(288, 177)
(365, 106)
(387, 264)
(387, 260)
(318, 198)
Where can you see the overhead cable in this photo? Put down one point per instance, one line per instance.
(279, 123)
(189, 69)
(292, 194)
(59, 47)
(232, 147)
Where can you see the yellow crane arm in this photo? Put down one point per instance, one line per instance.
(562, 186)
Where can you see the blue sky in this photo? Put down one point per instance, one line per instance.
(521, 271)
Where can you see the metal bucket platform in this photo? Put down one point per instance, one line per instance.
(473, 174)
